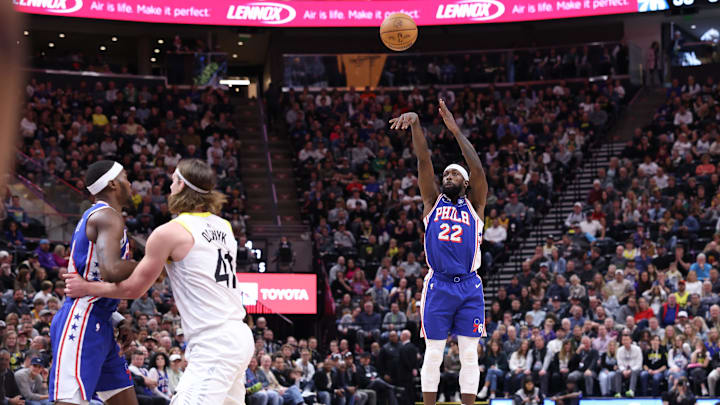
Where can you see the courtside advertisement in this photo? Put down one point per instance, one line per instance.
(325, 13)
(278, 293)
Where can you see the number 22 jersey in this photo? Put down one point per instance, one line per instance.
(453, 235)
(203, 282)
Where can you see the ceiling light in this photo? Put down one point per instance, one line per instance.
(61, 35)
(103, 47)
(693, 26)
(241, 43)
(160, 41)
(26, 33)
(237, 89)
(156, 50)
(114, 39)
(51, 44)
(234, 56)
(153, 60)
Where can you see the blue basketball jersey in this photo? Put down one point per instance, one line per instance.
(453, 235)
(84, 260)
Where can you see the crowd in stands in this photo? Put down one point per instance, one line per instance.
(359, 184)
(148, 130)
(462, 68)
(626, 303)
(511, 66)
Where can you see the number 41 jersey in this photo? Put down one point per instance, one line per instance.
(203, 282)
(453, 235)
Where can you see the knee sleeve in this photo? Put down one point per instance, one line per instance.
(469, 368)
(430, 372)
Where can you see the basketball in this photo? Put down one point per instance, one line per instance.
(398, 32)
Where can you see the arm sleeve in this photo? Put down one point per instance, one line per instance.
(637, 360)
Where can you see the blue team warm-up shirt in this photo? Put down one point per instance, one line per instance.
(453, 300)
(86, 358)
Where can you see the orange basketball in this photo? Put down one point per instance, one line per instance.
(398, 32)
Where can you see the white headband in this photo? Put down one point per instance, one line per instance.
(459, 168)
(100, 184)
(187, 183)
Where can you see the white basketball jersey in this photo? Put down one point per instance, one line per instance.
(204, 283)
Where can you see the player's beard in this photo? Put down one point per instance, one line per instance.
(452, 191)
(129, 200)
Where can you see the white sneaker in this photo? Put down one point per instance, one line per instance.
(704, 392)
(483, 392)
(492, 396)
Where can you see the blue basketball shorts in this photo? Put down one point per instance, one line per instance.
(86, 357)
(452, 305)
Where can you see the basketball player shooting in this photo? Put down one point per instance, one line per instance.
(452, 299)
(199, 251)
(86, 359)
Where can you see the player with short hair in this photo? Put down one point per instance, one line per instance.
(86, 359)
(198, 250)
(452, 298)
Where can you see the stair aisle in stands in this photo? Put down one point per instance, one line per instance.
(641, 108)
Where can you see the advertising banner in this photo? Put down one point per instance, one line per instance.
(324, 13)
(278, 293)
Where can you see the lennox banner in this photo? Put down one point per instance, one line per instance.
(324, 13)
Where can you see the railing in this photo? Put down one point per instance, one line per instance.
(64, 197)
(56, 225)
(490, 66)
(554, 217)
(62, 78)
(48, 199)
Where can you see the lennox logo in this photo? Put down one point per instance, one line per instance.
(54, 6)
(265, 12)
(478, 10)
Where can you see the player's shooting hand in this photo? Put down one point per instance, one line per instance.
(404, 121)
(448, 118)
(75, 285)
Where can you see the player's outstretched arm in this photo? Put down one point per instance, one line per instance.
(109, 226)
(157, 251)
(478, 182)
(426, 174)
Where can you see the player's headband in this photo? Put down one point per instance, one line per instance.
(459, 168)
(187, 183)
(100, 184)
